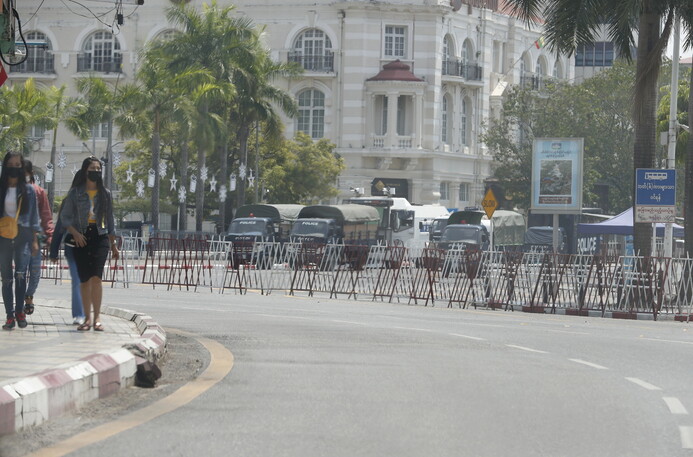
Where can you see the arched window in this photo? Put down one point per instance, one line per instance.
(101, 52)
(541, 67)
(40, 58)
(445, 124)
(166, 35)
(313, 50)
(468, 52)
(311, 113)
(557, 70)
(448, 56)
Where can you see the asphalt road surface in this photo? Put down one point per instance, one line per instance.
(320, 377)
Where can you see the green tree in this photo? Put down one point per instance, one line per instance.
(570, 23)
(300, 170)
(24, 106)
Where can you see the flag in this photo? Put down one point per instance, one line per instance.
(539, 43)
(3, 75)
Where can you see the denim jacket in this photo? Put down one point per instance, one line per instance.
(75, 212)
(28, 219)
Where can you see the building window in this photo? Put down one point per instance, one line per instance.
(100, 130)
(381, 114)
(101, 52)
(395, 41)
(464, 119)
(313, 51)
(40, 58)
(599, 54)
(467, 52)
(311, 113)
(463, 195)
(36, 132)
(557, 70)
(444, 190)
(444, 120)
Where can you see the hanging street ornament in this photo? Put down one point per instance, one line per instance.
(174, 181)
(163, 167)
(129, 173)
(181, 194)
(151, 177)
(117, 159)
(74, 170)
(37, 179)
(204, 171)
(193, 183)
(251, 179)
(139, 188)
(222, 193)
(49, 172)
(232, 182)
(62, 159)
(213, 184)
(241, 171)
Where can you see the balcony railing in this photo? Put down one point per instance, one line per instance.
(468, 71)
(110, 64)
(403, 141)
(532, 81)
(317, 63)
(41, 64)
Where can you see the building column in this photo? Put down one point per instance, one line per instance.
(391, 138)
(418, 120)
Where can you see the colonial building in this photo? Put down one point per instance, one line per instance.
(403, 88)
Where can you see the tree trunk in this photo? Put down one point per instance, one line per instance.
(199, 191)
(644, 113)
(183, 207)
(155, 167)
(50, 186)
(688, 192)
(243, 133)
(224, 156)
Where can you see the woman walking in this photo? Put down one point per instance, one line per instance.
(19, 210)
(87, 216)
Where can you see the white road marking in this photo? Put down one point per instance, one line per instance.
(467, 336)
(349, 322)
(413, 328)
(675, 405)
(667, 341)
(526, 349)
(589, 364)
(686, 436)
(643, 384)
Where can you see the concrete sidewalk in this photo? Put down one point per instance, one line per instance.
(50, 367)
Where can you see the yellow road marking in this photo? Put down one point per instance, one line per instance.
(220, 364)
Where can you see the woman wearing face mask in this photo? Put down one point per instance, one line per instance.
(18, 201)
(87, 216)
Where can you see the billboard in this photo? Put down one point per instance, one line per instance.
(557, 175)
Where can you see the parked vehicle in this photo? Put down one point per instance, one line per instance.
(263, 222)
(457, 217)
(332, 224)
(468, 236)
(507, 230)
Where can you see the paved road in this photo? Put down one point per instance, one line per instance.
(320, 377)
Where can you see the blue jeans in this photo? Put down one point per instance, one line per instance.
(18, 250)
(77, 308)
(34, 273)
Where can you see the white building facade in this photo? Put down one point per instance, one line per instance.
(402, 87)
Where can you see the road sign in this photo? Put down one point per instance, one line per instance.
(489, 203)
(655, 195)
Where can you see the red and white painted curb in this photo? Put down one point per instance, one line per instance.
(48, 394)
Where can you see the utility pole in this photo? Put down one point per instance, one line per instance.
(673, 111)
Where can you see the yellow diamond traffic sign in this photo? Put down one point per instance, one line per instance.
(489, 203)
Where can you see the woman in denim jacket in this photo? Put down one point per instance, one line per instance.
(87, 216)
(17, 195)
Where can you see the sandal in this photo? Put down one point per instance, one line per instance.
(98, 327)
(84, 327)
(29, 307)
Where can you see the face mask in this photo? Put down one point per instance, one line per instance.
(14, 172)
(27, 179)
(94, 176)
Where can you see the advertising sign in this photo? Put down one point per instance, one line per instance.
(557, 176)
(655, 195)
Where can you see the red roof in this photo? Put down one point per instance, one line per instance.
(395, 71)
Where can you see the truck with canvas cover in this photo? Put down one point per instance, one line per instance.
(333, 224)
(263, 222)
(470, 216)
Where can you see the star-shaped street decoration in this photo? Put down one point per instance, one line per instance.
(62, 159)
(129, 174)
(213, 184)
(181, 194)
(174, 181)
(140, 188)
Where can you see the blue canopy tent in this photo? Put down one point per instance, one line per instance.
(621, 224)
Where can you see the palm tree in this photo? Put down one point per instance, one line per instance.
(215, 41)
(570, 23)
(25, 107)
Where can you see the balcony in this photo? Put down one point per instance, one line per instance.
(43, 64)
(102, 64)
(403, 141)
(314, 63)
(532, 81)
(468, 71)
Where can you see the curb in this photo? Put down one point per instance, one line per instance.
(543, 309)
(50, 393)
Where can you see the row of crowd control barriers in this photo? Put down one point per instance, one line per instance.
(530, 281)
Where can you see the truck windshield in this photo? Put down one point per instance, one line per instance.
(309, 228)
(247, 227)
(461, 235)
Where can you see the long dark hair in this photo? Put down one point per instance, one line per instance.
(29, 168)
(102, 196)
(21, 184)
